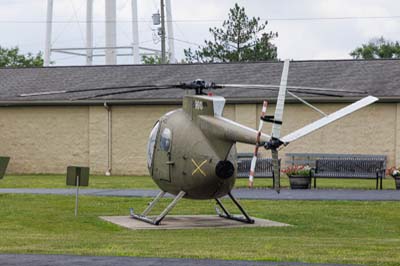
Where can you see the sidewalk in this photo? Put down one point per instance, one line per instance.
(242, 193)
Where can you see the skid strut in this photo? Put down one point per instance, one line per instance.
(225, 213)
(157, 220)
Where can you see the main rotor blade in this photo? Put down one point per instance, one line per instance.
(126, 91)
(303, 92)
(276, 169)
(280, 102)
(329, 119)
(317, 93)
(298, 88)
(91, 89)
(44, 93)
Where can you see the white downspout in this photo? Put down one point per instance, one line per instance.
(109, 139)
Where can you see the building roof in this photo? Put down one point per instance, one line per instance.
(380, 78)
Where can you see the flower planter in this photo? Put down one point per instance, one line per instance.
(300, 182)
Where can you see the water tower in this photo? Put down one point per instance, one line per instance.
(111, 49)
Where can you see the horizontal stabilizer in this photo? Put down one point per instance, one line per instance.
(328, 119)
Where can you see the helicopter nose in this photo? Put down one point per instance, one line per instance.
(224, 169)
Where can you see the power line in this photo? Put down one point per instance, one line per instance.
(64, 27)
(332, 18)
(183, 41)
(78, 23)
(213, 20)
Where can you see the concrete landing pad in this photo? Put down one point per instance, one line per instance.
(188, 222)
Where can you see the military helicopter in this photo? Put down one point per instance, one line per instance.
(191, 151)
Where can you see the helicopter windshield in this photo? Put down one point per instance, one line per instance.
(165, 141)
(151, 143)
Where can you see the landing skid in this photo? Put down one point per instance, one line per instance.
(157, 220)
(225, 213)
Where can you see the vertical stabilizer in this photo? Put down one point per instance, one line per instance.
(203, 105)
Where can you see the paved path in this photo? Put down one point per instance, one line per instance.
(67, 260)
(243, 193)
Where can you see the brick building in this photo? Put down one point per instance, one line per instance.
(45, 133)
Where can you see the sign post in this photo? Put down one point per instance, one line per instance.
(3, 165)
(77, 196)
(77, 176)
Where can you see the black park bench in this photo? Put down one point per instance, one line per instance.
(346, 166)
(264, 168)
(372, 167)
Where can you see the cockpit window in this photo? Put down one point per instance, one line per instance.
(151, 143)
(165, 141)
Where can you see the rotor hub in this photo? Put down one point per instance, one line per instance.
(273, 144)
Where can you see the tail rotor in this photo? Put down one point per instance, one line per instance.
(274, 143)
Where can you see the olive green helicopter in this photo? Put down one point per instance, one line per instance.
(191, 151)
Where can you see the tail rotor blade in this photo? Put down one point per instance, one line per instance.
(254, 159)
(253, 167)
(280, 103)
(276, 169)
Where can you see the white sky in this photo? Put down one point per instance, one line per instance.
(22, 24)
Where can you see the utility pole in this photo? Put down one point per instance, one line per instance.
(163, 59)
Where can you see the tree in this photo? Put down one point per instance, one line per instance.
(377, 48)
(151, 59)
(12, 58)
(239, 39)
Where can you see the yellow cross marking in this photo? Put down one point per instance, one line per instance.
(198, 167)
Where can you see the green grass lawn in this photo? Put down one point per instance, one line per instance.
(95, 181)
(322, 232)
(145, 182)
